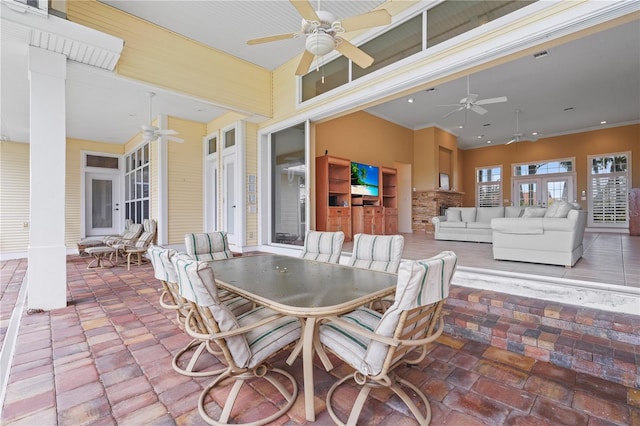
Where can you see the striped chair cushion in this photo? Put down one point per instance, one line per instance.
(420, 283)
(266, 340)
(323, 246)
(378, 252)
(134, 232)
(352, 347)
(197, 284)
(145, 239)
(208, 246)
(158, 267)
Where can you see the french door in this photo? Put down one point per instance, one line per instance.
(102, 205)
(542, 191)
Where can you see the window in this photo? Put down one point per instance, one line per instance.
(446, 20)
(609, 177)
(396, 44)
(136, 188)
(489, 186)
(543, 183)
(102, 161)
(212, 145)
(230, 138)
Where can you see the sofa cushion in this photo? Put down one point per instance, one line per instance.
(479, 225)
(513, 211)
(453, 225)
(558, 209)
(534, 212)
(453, 215)
(485, 214)
(468, 213)
(517, 226)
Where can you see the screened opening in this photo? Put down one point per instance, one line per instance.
(327, 77)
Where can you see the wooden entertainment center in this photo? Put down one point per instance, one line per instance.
(337, 209)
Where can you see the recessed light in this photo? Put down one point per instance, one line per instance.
(534, 133)
(461, 127)
(488, 141)
(480, 136)
(603, 122)
(410, 100)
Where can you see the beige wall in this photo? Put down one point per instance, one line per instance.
(365, 138)
(14, 197)
(162, 58)
(578, 145)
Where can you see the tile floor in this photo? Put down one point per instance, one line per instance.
(106, 359)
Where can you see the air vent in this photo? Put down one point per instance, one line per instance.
(541, 54)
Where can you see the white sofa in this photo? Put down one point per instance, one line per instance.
(552, 236)
(470, 223)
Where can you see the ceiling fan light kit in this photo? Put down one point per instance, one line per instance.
(151, 133)
(321, 29)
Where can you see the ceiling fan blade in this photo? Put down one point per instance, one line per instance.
(511, 141)
(454, 111)
(305, 9)
(147, 128)
(166, 132)
(492, 100)
(366, 20)
(270, 38)
(471, 98)
(305, 63)
(354, 53)
(478, 109)
(174, 139)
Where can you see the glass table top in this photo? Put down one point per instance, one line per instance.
(299, 286)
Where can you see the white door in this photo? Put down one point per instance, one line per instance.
(102, 204)
(229, 206)
(542, 191)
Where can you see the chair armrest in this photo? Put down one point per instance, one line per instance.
(226, 334)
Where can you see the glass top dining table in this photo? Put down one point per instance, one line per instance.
(305, 289)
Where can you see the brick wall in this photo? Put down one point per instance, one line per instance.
(600, 343)
(426, 204)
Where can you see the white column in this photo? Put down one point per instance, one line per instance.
(47, 269)
(163, 183)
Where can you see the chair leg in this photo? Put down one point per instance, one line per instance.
(240, 377)
(201, 347)
(358, 404)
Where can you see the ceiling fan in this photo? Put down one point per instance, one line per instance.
(519, 136)
(471, 102)
(322, 32)
(151, 132)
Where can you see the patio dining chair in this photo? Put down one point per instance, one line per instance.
(377, 252)
(378, 345)
(247, 342)
(190, 360)
(88, 242)
(323, 246)
(208, 246)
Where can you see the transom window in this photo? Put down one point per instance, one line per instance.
(489, 186)
(544, 168)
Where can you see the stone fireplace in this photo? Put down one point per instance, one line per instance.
(428, 204)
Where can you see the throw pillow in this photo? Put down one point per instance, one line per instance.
(562, 209)
(453, 215)
(552, 209)
(530, 212)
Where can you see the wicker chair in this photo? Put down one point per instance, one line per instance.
(208, 246)
(247, 341)
(375, 345)
(323, 246)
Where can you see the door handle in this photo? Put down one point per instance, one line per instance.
(116, 209)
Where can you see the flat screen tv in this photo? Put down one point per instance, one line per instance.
(364, 179)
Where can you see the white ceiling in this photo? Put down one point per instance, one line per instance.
(598, 76)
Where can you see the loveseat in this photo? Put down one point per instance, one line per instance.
(471, 223)
(552, 236)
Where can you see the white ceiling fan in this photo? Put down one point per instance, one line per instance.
(151, 132)
(471, 102)
(518, 136)
(322, 31)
